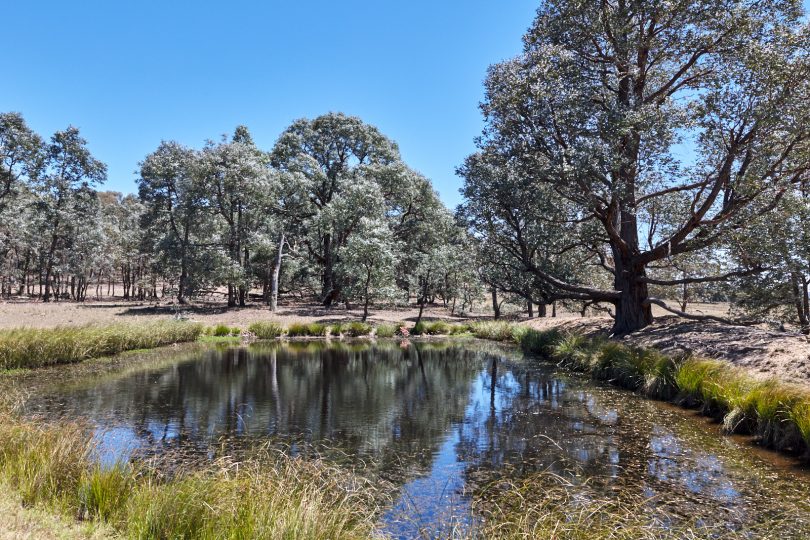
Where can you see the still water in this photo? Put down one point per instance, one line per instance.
(436, 420)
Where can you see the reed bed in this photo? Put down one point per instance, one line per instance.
(776, 413)
(35, 347)
(546, 505)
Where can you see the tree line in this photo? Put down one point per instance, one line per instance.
(635, 154)
(330, 212)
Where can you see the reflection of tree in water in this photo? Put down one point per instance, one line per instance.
(371, 401)
(610, 443)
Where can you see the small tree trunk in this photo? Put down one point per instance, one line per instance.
(530, 307)
(276, 274)
(496, 307)
(366, 295)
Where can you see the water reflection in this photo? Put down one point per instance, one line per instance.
(438, 420)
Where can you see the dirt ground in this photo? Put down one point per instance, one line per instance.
(785, 355)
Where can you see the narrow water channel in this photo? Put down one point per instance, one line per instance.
(437, 420)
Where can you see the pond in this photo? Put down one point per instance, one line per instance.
(436, 420)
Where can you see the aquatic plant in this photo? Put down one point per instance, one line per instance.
(266, 330)
(36, 347)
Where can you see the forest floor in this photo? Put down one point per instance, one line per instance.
(785, 355)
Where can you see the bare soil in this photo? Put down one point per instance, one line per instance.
(767, 353)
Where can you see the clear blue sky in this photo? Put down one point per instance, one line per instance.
(130, 74)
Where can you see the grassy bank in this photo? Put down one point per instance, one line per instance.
(777, 413)
(34, 347)
(269, 496)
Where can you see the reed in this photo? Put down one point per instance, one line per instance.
(304, 330)
(497, 331)
(266, 330)
(34, 347)
(385, 331)
(357, 329)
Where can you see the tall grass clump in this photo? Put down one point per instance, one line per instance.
(33, 347)
(540, 342)
(307, 329)
(385, 331)
(437, 328)
(266, 330)
(357, 329)
(497, 330)
(283, 498)
(336, 329)
(221, 330)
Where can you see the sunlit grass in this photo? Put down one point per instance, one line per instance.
(32, 347)
(307, 329)
(385, 331)
(266, 330)
(269, 495)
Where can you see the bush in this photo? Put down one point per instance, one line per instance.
(266, 330)
(31, 347)
(419, 329)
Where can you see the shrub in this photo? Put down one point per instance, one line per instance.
(266, 330)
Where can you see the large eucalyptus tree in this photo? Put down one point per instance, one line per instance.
(617, 104)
